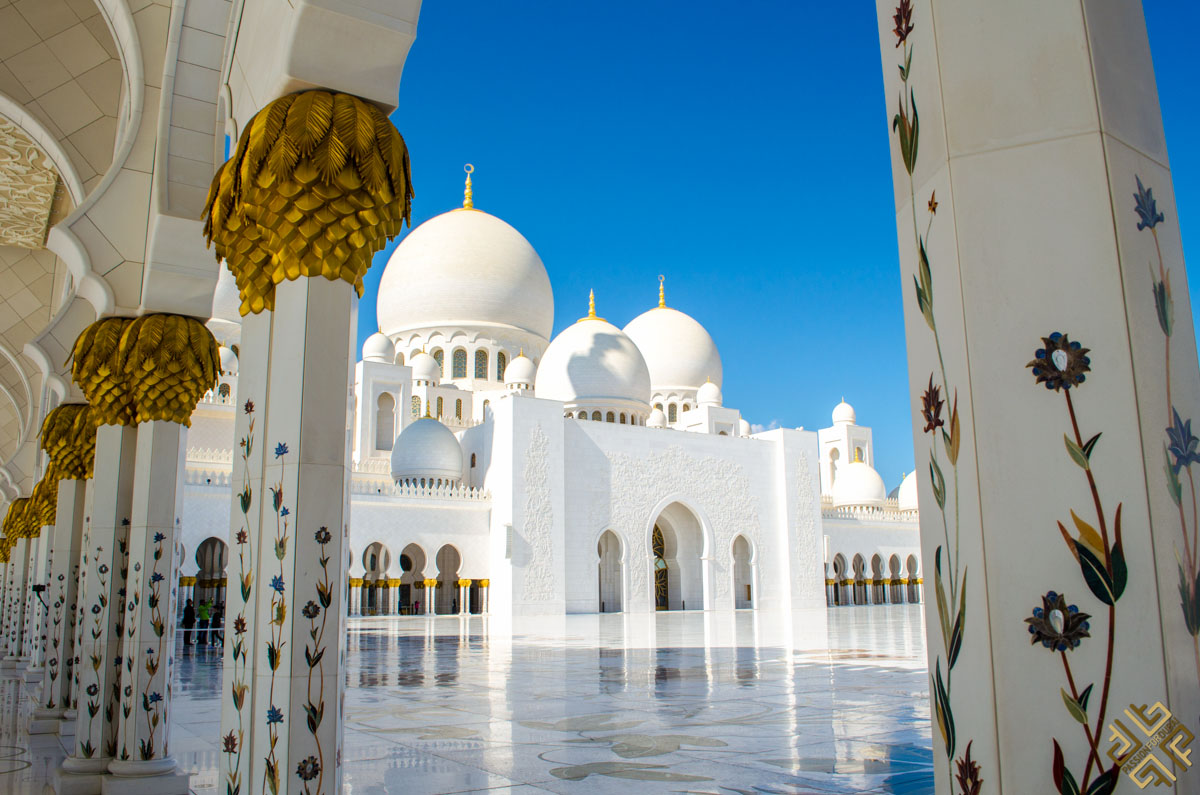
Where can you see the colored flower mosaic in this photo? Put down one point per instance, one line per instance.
(1060, 364)
(1057, 625)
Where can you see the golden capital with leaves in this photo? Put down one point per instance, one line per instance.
(69, 438)
(96, 370)
(44, 502)
(318, 183)
(168, 363)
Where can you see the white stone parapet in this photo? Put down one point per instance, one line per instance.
(888, 512)
(209, 455)
(406, 491)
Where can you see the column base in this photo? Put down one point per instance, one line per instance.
(158, 777)
(34, 675)
(66, 727)
(9, 664)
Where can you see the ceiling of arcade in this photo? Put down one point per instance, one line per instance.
(59, 61)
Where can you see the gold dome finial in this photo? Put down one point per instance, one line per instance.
(591, 315)
(468, 200)
(662, 301)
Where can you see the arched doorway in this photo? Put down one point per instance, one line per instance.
(896, 596)
(676, 560)
(743, 574)
(376, 560)
(211, 557)
(412, 572)
(914, 589)
(448, 561)
(608, 548)
(839, 577)
(878, 587)
(860, 582)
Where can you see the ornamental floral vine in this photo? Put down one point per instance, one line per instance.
(946, 435)
(278, 621)
(56, 643)
(233, 742)
(153, 706)
(131, 619)
(1180, 448)
(99, 611)
(110, 742)
(313, 767)
(1061, 365)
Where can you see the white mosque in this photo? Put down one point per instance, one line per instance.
(499, 470)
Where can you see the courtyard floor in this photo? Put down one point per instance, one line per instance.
(826, 702)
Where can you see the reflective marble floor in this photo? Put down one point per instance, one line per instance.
(827, 702)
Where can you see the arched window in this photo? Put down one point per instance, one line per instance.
(439, 411)
(458, 409)
(622, 418)
(672, 413)
(658, 406)
(472, 460)
(596, 416)
(416, 406)
(858, 454)
(223, 390)
(385, 422)
(501, 365)
(481, 357)
(399, 358)
(611, 417)
(460, 364)
(581, 416)
(486, 403)
(686, 407)
(440, 358)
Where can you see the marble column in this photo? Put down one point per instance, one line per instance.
(298, 245)
(42, 601)
(143, 759)
(66, 726)
(295, 599)
(14, 661)
(1053, 379)
(64, 573)
(35, 611)
(102, 592)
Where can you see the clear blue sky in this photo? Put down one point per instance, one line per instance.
(742, 151)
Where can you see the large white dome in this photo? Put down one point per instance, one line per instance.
(593, 362)
(858, 484)
(465, 268)
(427, 449)
(679, 352)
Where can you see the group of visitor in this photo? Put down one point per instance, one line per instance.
(205, 621)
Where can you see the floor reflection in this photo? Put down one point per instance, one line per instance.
(823, 702)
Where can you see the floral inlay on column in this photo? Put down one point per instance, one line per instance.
(1061, 365)
(946, 434)
(278, 617)
(233, 743)
(1180, 447)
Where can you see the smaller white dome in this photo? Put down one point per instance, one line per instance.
(858, 484)
(656, 419)
(743, 428)
(709, 394)
(427, 449)
(843, 413)
(520, 371)
(229, 361)
(378, 348)
(907, 494)
(425, 368)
